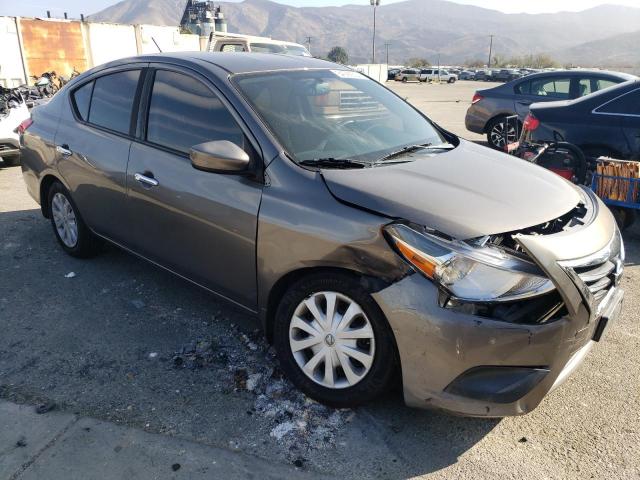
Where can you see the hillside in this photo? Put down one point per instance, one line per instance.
(617, 51)
(415, 28)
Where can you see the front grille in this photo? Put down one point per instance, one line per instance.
(599, 273)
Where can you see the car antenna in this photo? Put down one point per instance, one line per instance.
(157, 46)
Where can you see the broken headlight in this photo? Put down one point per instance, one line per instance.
(466, 271)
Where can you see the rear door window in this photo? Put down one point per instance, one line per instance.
(82, 100)
(184, 112)
(232, 47)
(584, 87)
(112, 100)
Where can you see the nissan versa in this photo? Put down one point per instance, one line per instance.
(368, 240)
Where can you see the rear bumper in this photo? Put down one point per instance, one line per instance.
(9, 146)
(477, 366)
(473, 121)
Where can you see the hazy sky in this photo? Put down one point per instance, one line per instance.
(75, 7)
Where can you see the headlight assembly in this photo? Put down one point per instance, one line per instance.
(467, 272)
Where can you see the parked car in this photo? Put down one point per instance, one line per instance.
(506, 75)
(490, 107)
(391, 74)
(369, 242)
(483, 75)
(433, 74)
(467, 75)
(606, 123)
(408, 75)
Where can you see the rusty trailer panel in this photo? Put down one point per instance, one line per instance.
(53, 45)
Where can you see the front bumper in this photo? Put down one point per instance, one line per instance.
(440, 349)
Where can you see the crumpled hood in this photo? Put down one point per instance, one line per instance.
(467, 192)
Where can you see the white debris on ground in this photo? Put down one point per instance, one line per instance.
(245, 363)
(70, 275)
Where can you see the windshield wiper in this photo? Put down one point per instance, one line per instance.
(334, 163)
(413, 148)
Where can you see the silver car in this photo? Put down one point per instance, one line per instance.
(370, 243)
(490, 107)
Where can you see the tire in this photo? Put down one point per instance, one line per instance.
(372, 380)
(451, 80)
(493, 134)
(84, 243)
(404, 80)
(11, 161)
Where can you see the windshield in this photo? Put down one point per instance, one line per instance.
(267, 48)
(337, 114)
(297, 50)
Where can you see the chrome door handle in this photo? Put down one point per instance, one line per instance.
(64, 150)
(149, 181)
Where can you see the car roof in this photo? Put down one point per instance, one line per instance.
(573, 73)
(236, 62)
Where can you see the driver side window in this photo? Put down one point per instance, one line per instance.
(184, 112)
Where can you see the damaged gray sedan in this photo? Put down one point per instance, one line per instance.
(369, 241)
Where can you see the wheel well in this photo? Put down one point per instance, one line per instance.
(279, 289)
(596, 150)
(45, 185)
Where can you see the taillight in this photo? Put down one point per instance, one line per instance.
(530, 123)
(476, 98)
(24, 125)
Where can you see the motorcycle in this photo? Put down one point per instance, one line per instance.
(13, 111)
(46, 83)
(64, 80)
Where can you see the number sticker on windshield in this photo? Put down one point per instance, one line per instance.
(348, 74)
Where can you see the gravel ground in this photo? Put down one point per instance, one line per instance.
(122, 341)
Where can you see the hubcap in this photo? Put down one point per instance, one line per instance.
(332, 340)
(497, 134)
(65, 220)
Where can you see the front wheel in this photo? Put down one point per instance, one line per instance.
(405, 80)
(333, 341)
(452, 80)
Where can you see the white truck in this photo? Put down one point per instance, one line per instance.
(235, 42)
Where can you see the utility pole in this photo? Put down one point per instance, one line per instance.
(490, 50)
(309, 44)
(374, 4)
(387, 45)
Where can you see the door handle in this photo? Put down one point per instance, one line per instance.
(64, 150)
(145, 180)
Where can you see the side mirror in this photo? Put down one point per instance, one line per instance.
(219, 156)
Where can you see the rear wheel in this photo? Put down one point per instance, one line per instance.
(74, 236)
(496, 132)
(333, 341)
(452, 80)
(405, 79)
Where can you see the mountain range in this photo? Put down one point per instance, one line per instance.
(604, 36)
